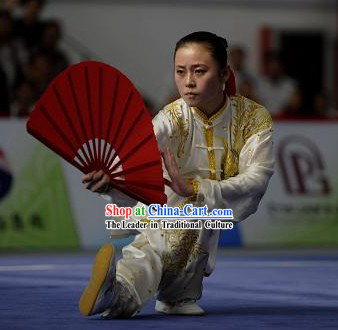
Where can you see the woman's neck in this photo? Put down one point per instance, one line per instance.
(210, 111)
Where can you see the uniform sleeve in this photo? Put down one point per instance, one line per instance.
(162, 129)
(243, 192)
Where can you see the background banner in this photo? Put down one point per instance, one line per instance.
(44, 205)
(34, 207)
(301, 204)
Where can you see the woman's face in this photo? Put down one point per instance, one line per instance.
(198, 77)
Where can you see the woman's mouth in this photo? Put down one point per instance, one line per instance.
(191, 95)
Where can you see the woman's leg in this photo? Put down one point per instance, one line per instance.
(124, 291)
(140, 269)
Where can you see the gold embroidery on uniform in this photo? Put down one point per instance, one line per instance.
(180, 206)
(239, 119)
(181, 126)
(209, 137)
(251, 118)
(195, 186)
(183, 243)
(213, 117)
(229, 162)
(248, 118)
(187, 201)
(184, 247)
(230, 159)
(148, 220)
(258, 120)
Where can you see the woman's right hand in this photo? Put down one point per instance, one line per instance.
(97, 181)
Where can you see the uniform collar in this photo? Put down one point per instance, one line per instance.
(215, 118)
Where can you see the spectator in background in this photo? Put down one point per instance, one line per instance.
(38, 73)
(248, 90)
(10, 64)
(276, 89)
(30, 56)
(4, 94)
(23, 101)
(245, 80)
(10, 5)
(321, 108)
(28, 27)
(50, 37)
(294, 108)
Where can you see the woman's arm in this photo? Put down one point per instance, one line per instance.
(243, 192)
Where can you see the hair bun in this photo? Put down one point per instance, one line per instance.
(224, 42)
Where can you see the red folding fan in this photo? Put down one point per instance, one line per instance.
(93, 117)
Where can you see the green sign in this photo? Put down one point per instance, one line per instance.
(36, 213)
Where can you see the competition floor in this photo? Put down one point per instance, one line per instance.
(247, 291)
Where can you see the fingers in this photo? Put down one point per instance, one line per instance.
(167, 161)
(97, 181)
(167, 182)
(102, 185)
(94, 175)
(88, 177)
(170, 163)
(164, 156)
(177, 183)
(98, 175)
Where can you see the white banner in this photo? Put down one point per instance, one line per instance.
(301, 204)
(41, 201)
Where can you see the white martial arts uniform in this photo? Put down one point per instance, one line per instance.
(229, 159)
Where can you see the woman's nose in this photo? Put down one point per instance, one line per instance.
(190, 81)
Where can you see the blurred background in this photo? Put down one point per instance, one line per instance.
(283, 53)
(277, 269)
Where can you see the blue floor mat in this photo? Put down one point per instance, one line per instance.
(244, 292)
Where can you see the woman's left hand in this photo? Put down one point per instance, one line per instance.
(97, 181)
(178, 184)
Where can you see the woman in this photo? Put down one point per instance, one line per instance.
(217, 152)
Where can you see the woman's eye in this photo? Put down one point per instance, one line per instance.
(199, 71)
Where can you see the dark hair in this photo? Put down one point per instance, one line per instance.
(217, 45)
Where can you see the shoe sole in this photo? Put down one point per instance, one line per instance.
(169, 311)
(177, 313)
(99, 273)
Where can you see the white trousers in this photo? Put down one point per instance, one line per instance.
(168, 264)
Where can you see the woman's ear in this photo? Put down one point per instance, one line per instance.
(230, 83)
(226, 73)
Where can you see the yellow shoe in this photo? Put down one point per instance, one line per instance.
(98, 296)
